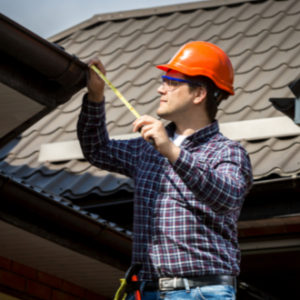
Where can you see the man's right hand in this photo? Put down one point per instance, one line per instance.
(95, 84)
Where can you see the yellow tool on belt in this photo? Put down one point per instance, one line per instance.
(121, 292)
(130, 278)
(116, 91)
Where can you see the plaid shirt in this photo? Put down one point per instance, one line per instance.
(185, 213)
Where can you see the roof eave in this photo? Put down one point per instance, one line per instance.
(37, 69)
(50, 219)
(29, 58)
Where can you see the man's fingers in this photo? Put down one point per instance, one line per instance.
(98, 64)
(139, 123)
(146, 133)
(95, 84)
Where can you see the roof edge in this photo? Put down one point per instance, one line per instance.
(62, 224)
(158, 10)
(245, 130)
(269, 226)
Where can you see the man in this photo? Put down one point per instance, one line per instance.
(190, 182)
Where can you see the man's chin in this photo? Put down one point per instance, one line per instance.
(162, 115)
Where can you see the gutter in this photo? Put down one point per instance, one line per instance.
(55, 219)
(30, 61)
(38, 69)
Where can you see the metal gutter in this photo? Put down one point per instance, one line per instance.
(37, 69)
(51, 218)
(35, 54)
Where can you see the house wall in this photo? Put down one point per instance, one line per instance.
(24, 282)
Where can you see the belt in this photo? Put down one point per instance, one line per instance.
(176, 283)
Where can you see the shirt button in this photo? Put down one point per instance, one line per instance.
(154, 241)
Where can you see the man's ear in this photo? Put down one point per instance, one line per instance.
(200, 95)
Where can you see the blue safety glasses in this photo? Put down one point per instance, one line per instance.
(171, 83)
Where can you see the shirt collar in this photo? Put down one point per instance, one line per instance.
(200, 135)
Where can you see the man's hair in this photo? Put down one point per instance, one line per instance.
(214, 94)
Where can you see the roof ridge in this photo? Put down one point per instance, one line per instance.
(212, 21)
(273, 149)
(278, 171)
(123, 186)
(219, 37)
(250, 35)
(261, 68)
(158, 10)
(249, 91)
(255, 52)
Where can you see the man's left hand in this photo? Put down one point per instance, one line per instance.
(154, 129)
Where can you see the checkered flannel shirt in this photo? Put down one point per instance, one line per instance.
(185, 213)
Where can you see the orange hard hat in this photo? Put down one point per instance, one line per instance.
(206, 59)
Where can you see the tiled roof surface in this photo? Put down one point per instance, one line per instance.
(263, 40)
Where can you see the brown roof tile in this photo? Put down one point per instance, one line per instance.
(262, 39)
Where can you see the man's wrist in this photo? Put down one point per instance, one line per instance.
(95, 97)
(172, 152)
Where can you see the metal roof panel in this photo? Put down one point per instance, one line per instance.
(261, 38)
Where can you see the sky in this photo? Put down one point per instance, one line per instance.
(49, 17)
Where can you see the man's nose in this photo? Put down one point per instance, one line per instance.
(161, 89)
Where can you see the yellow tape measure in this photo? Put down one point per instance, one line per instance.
(116, 91)
(119, 95)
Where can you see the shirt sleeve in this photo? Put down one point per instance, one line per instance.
(221, 185)
(112, 155)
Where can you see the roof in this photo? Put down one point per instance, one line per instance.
(261, 39)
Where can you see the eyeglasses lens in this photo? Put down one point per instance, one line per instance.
(169, 84)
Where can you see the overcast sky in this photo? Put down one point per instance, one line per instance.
(49, 17)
